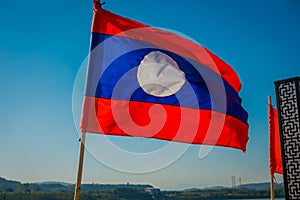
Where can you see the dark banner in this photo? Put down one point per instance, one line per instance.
(288, 104)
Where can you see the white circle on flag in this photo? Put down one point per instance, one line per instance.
(159, 75)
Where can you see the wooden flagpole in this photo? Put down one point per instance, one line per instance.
(271, 175)
(82, 143)
(272, 186)
(80, 167)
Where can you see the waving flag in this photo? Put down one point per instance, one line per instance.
(275, 148)
(148, 82)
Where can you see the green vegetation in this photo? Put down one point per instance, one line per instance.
(36, 196)
(14, 190)
(223, 194)
(139, 194)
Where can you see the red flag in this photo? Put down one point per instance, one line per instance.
(275, 148)
(147, 82)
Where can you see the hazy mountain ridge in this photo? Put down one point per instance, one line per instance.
(262, 186)
(52, 186)
(6, 184)
(250, 186)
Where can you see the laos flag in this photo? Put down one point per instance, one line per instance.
(153, 83)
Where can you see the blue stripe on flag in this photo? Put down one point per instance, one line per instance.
(120, 56)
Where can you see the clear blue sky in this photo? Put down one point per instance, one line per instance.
(43, 43)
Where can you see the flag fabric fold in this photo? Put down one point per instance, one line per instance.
(147, 82)
(275, 147)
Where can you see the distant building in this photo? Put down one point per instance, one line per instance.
(153, 191)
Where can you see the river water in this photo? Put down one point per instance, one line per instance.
(259, 199)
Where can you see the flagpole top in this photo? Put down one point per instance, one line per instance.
(97, 3)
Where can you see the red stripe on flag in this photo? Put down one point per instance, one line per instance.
(179, 125)
(275, 147)
(109, 23)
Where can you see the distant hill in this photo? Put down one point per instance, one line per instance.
(93, 187)
(64, 191)
(262, 186)
(54, 182)
(8, 185)
(249, 186)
